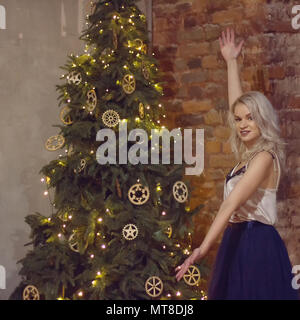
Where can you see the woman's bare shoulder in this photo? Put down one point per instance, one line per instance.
(263, 158)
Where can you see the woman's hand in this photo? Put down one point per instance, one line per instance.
(227, 44)
(197, 254)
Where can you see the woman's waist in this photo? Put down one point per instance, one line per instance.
(260, 216)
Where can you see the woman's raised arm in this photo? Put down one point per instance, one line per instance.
(230, 52)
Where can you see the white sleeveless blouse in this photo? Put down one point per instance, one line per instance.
(262, 204)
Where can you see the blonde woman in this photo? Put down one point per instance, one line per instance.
(252, 260)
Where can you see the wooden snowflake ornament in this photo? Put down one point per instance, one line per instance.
(74, 78)
(54, 143)
(110, 118)
(73, 243)
(180, 191)
(146, 72)
(130, 231)
(154, 286)
(91, 100)
(138, 194)
(31, 293)
(128, 83)
(64, 115)
(81, 166)
(141, 110)
(192, 276)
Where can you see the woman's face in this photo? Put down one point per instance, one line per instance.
(246, 127)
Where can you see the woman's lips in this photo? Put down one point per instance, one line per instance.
(244, 132)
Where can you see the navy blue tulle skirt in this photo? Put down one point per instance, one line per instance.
(252, 263)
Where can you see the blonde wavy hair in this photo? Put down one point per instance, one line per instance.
(267, 121)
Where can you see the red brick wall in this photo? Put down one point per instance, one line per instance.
(185, 41)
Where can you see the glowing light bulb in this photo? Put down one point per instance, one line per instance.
(45, 193)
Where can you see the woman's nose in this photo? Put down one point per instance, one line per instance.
(243, 123)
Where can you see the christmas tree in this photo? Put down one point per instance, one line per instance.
(117, 230)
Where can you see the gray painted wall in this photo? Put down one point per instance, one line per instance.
(38, 36)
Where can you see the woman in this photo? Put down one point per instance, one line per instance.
(252, 260)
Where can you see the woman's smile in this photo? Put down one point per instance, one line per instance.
(244, 132)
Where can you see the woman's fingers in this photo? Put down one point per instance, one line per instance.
(182, 271)
(178, 268)
(183, 268)
(228, 35)
(223, 38)
(240, 45)
(221, 43)
(232, 35)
